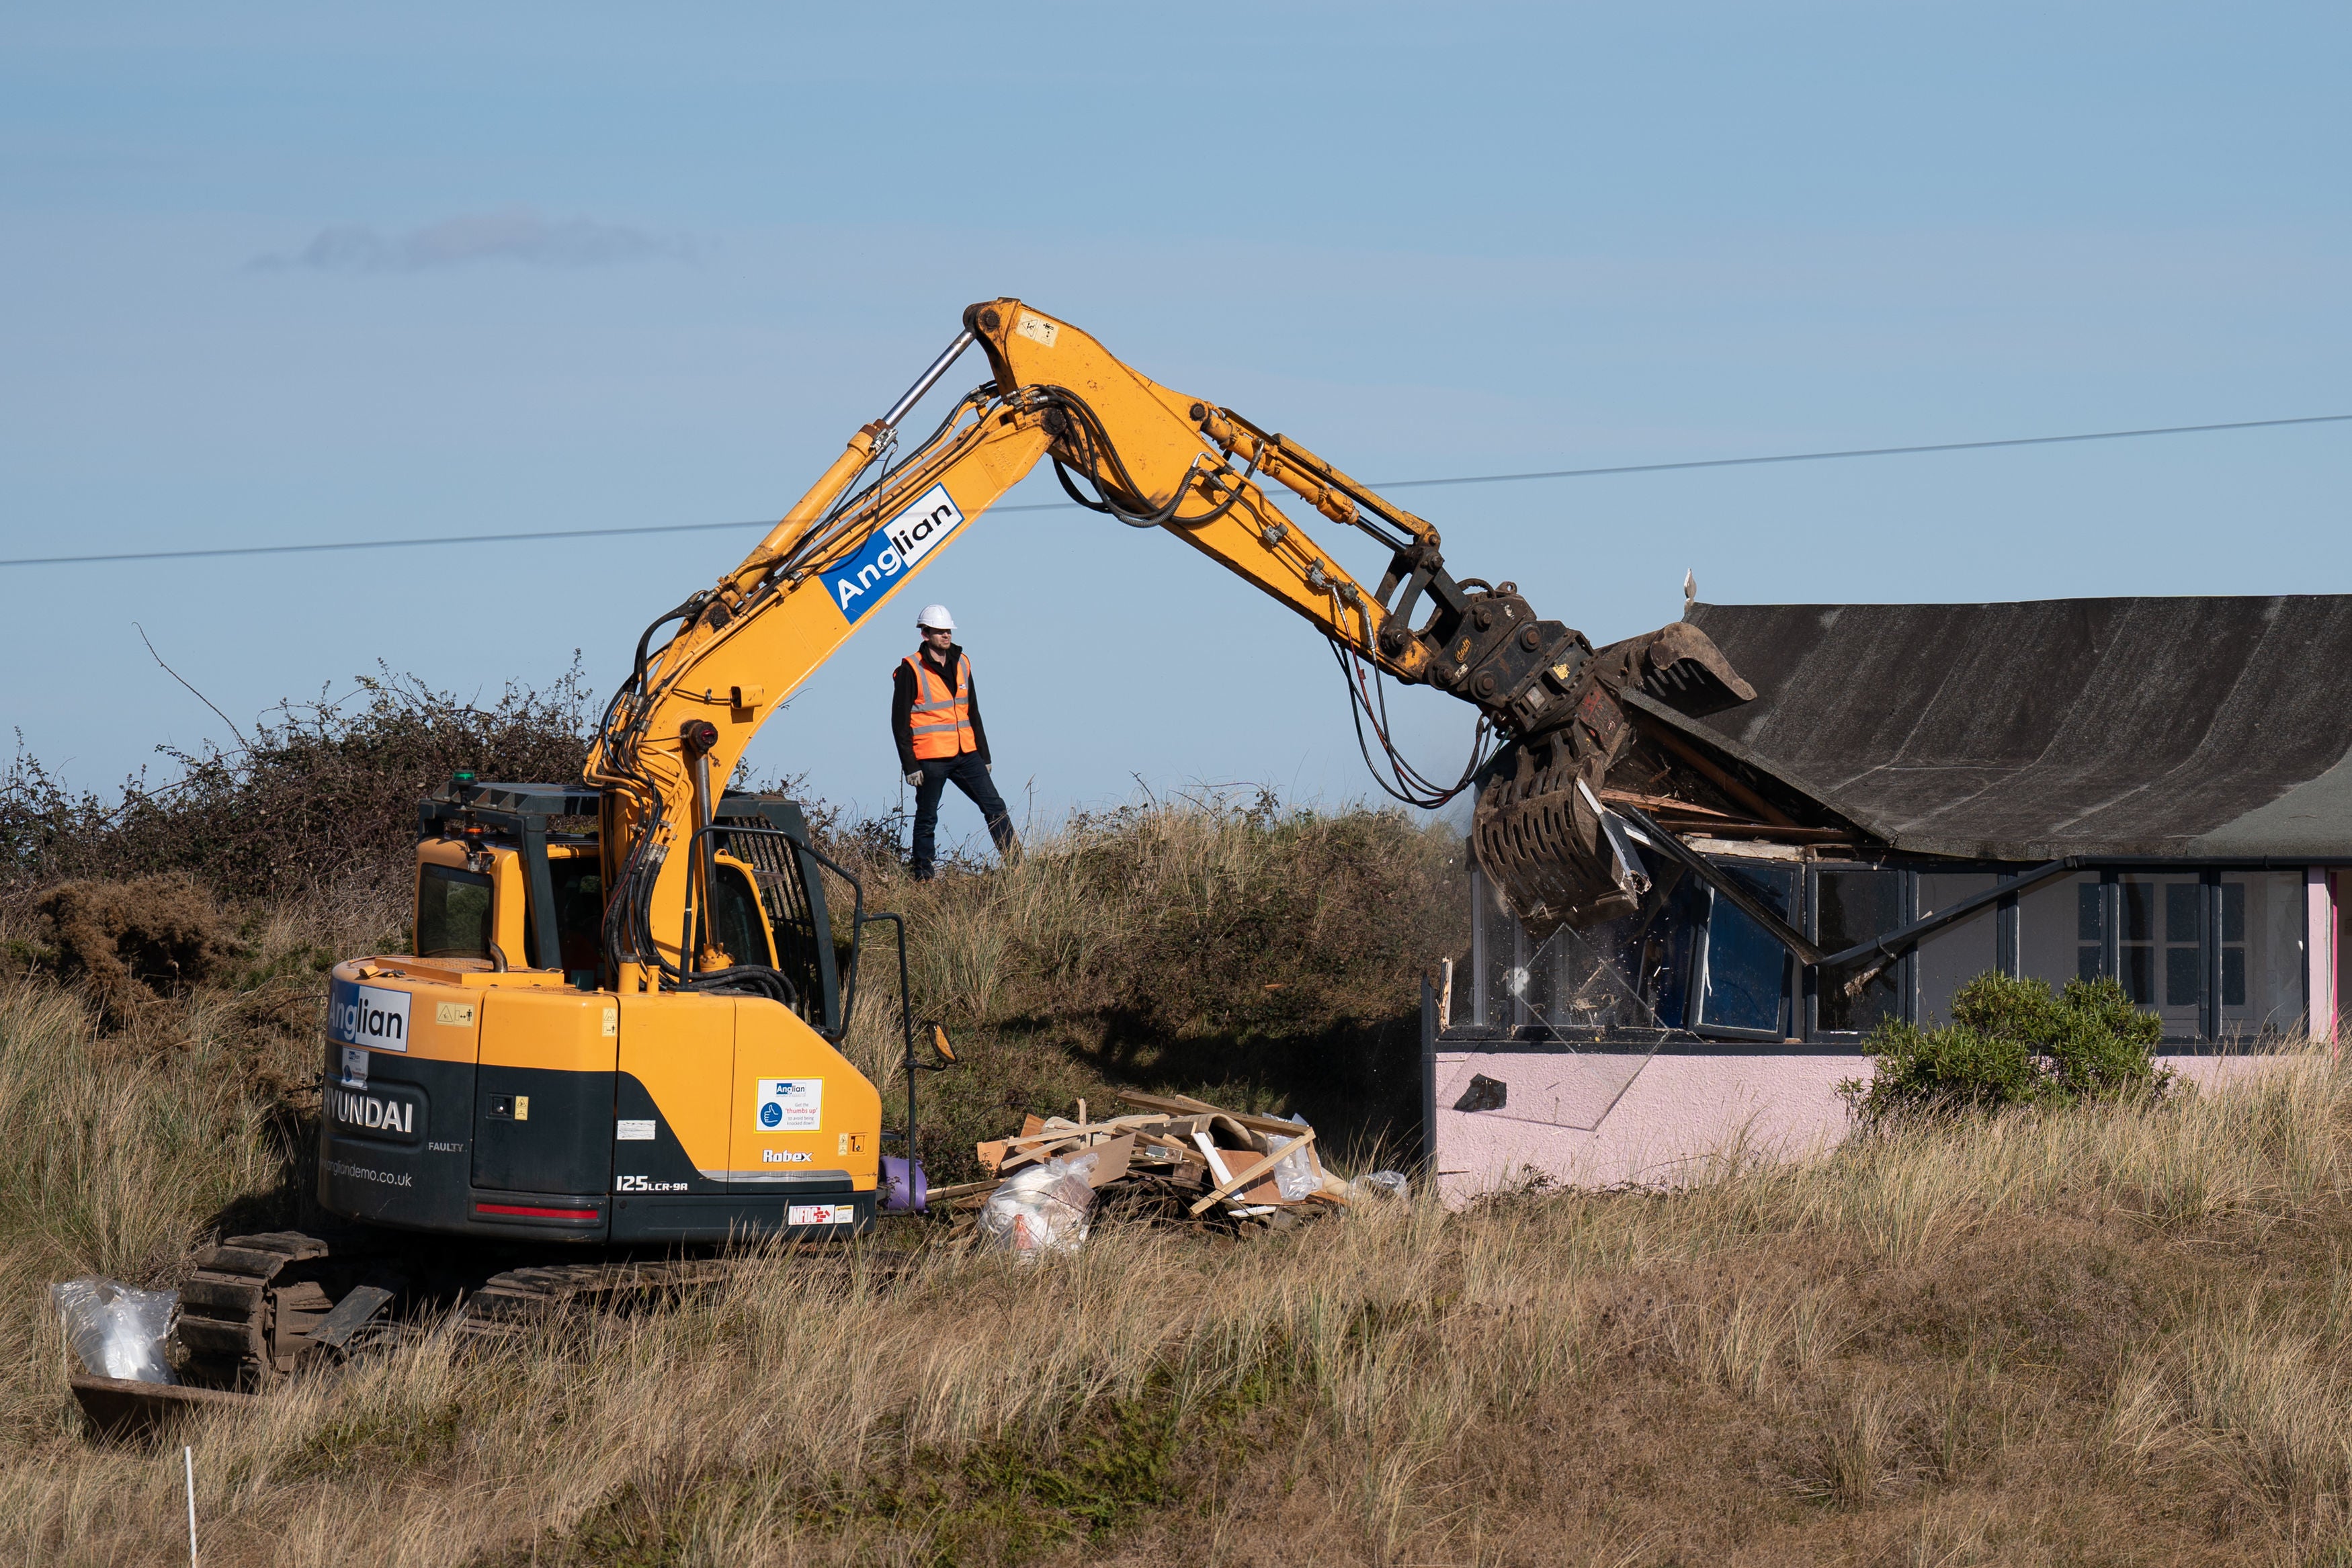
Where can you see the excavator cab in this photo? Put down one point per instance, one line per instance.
(498, 879)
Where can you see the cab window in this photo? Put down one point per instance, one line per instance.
(736, 923)
(580, 915)
(453, 914)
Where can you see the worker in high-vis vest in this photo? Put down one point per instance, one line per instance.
(935, 716)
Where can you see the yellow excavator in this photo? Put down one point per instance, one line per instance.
(629, 1034)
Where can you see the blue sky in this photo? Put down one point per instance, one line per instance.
(284, 275)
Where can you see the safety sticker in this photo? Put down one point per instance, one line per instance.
(788, 1104)
(820, 1213)
(891, 552)
(355, 1065)
(628, 1130)
(1036, 328)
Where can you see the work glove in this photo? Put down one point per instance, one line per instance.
(987, 767)
(916, 778)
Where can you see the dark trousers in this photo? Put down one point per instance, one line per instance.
(967, 775)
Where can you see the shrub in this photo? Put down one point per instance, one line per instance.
(2012, 1042)
(1212, 916)
(323, 793)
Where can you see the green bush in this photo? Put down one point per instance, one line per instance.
(321, 794)
(2012, 1042)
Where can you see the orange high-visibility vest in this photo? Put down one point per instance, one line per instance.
(940, 720)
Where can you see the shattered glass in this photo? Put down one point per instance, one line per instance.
(1623, 974)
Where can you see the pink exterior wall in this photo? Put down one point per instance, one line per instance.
(1594, 1119)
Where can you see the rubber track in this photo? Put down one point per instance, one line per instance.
(223, 1320)
(524, 1295)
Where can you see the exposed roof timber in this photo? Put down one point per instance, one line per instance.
(1797, 801)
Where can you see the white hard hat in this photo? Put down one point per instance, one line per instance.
(936, 617)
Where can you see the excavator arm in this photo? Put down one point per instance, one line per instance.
(1153, 458)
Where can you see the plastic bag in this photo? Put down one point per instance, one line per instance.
(1040, 1209)
(1382, 1184)
(118, 1332)
(1294, 1174)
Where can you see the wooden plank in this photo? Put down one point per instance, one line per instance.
(1184, 1104)
(1084, 1130)
(1035, 1154)
(1723, 780)
(1216, 1165)
(1256, 1169)
(965, 1189)
(1663, 803)
(1111, 1159)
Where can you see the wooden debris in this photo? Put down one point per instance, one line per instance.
(1262, 1165)
(1173, 1160)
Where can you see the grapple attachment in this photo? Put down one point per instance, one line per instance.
(1540, 833)
(1537, 837)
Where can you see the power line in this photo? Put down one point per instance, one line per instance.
(1064, 506)
(1860, 451)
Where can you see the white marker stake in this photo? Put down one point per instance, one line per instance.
(188, 1460)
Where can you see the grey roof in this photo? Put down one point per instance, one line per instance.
(2123, 727)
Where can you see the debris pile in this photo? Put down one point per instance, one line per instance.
(1174, 1161)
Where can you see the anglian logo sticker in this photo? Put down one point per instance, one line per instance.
(891, 552)
(373, 1016)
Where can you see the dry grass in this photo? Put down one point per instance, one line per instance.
(2092, 1336)
(2103, 1336)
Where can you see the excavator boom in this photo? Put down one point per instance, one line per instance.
(1153, 458)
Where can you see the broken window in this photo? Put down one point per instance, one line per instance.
(1608, 977)
(1850, 907)
(1744, 972)
(2210, 952)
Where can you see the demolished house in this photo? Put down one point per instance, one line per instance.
(2155, 789)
